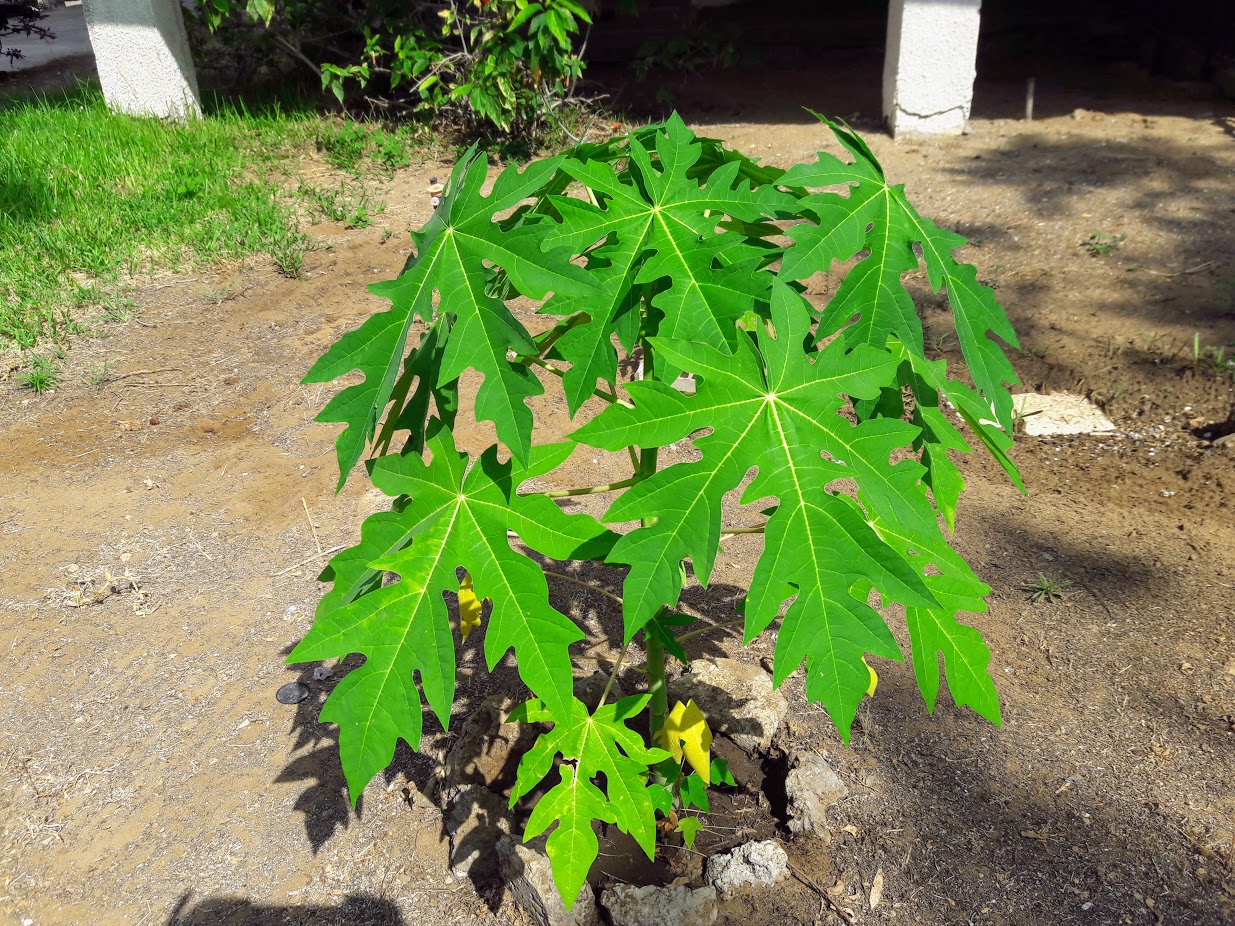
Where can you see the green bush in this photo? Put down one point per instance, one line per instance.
(500, 65)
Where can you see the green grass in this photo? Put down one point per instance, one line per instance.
(89, 198)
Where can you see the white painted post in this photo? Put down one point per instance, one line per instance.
(142, 53)
(930, 65)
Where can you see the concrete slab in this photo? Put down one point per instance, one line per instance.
(1052, 415)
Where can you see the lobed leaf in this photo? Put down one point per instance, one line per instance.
(455, 516)
(452, 260)
(591, 745)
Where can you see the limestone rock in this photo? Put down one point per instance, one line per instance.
(754, 863)
(526, 871)
(657, 906)
(488, 749)
(812, 787)
(737, 698)
(1050, 415)
(474, 821)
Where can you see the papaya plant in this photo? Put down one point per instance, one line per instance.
(688, 258)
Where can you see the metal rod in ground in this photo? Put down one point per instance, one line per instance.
(1029, 89)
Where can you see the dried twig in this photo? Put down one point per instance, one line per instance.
(116, 379)
(312, 527)
(824, 895)
(1199, 268)
(308, 559)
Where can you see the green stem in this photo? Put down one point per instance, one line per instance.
(656, 659)
(659, 704)
(743, 530)
(588, 585)
(617, 666)
(592, 490)
(562, 374)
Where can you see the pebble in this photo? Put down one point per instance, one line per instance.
(292, 693)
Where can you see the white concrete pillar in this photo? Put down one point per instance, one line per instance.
(930, 65)
(142, 53)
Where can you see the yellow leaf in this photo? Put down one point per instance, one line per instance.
(870, 692)
(469, 607)
(686, 735)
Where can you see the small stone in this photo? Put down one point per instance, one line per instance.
(526, 870)
(737, 699)
(675, 904)
(292, 693)
(753, 863)
(812, 787)
(475, 820)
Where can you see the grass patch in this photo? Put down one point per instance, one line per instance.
(88, 197)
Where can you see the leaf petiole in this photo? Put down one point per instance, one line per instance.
(561, 374)
(588, 585)
(743, 530)
(721, 626)
(592, 490)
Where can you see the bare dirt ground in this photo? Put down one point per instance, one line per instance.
(160, 537)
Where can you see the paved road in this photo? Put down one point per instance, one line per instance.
(69, 25)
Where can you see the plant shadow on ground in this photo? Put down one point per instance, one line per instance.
(1029, 813)
(355, 910)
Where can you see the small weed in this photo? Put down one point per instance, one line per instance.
(685, 55)
(44, 374)
(288, 254)
(1101, 242)
(217, 295)
(1047, 588)
(390, 151)
(387, 234)
(350, 204)
(99, 374)
(1107, 402)
(344, 146)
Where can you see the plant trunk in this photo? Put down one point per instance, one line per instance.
(659, 705)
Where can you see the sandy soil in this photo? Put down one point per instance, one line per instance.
(160, 537)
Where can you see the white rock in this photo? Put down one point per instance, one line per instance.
(1047, 415)
(812, 787)
(753, 863)
(488, 749)
(672, 905)
(526, 871)
(737, 699)
(474, 821)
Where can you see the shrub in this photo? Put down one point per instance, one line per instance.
(491, 64)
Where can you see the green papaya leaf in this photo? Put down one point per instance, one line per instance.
(600, 743)
(456, 516)
(452, 258)
(659, 223)
(877, 217)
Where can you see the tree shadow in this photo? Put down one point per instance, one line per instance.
(355, 910)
